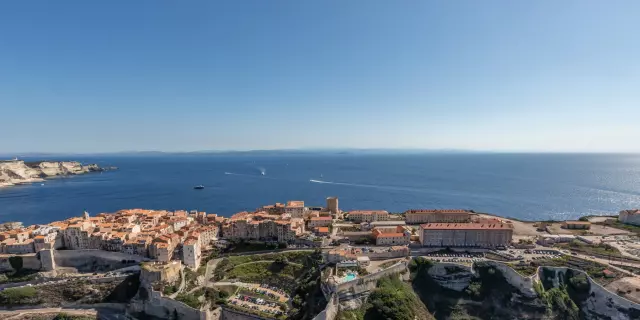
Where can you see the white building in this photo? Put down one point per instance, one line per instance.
(191, 253)
(630, 217)
(368, 215)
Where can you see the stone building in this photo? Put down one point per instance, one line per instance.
(368, 215)
(435, 215)
(465, 234)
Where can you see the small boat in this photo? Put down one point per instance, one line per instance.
(200, 187)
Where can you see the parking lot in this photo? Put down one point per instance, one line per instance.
(256, 304)
(466, 258)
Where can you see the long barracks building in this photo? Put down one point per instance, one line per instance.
(486, 235)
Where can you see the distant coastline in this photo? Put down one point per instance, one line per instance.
(14, 172)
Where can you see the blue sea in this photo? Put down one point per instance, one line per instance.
(523, 186)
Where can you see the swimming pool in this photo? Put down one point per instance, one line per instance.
(349, 277)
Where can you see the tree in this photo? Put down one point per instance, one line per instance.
(16, 263)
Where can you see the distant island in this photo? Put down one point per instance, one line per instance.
(16, 171)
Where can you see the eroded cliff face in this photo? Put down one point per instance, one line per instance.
(484, 292)
(17, 171)
(593, 302)
(491, 290)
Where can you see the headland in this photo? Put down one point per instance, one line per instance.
(16, 171)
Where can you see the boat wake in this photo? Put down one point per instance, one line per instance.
(352, 184)
(372, 186)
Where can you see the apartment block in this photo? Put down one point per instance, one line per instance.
(436, 215)
(368, 215)
(465, 234)
(391, 236)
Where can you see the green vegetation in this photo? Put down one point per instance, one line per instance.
(169, 289)
(559, 303)
(388, 264)
(256, 272)
(307, 298)
(191, 277)
(189, 299)
(601, 249)
(492, 294)
(64, 316)
(619, 225)
(256, 312)
(263, 268)
(392, 299)
(474, 289)
(18, 296)
(20, 276)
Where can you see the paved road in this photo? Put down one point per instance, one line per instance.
(211, 266)
(182, 282)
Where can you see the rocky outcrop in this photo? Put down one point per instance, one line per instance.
(593, 300)
(14, 172)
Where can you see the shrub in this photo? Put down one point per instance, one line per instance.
(17, 296)
(189, 299)
(16, 263)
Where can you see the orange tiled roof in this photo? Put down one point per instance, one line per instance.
(465, 226)
(417, 211)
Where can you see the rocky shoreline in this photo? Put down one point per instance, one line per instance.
(13, 172)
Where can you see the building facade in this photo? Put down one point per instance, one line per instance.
(630, 217)
(295, 208)
(368, 215)
(434, 215)
(320, 222)
(576, 225)
(465, 235)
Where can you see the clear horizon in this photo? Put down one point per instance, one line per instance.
(492, 76)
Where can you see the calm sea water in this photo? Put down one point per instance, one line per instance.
(525, 186)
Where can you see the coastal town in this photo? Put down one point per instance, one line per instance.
(178, 253)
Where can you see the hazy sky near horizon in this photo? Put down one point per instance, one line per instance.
(88, 76)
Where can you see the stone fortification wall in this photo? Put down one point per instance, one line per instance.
(372, 278)
(386, 255)
(331, 311)
(30, 261)
(164, 308)
(601, 303)
(231, 314)
(155, 272)
(93, 260)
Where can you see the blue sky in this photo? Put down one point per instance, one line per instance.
(89, 76)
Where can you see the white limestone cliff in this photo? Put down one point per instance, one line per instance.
(14, 172)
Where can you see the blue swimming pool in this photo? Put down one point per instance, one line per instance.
(349, 277)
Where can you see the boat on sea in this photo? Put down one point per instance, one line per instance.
(200, 187)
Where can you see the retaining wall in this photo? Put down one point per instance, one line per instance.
(399, 267)
(232, 314)
(93, 260)
(30, 261)
(159, 306)
(331, 311)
